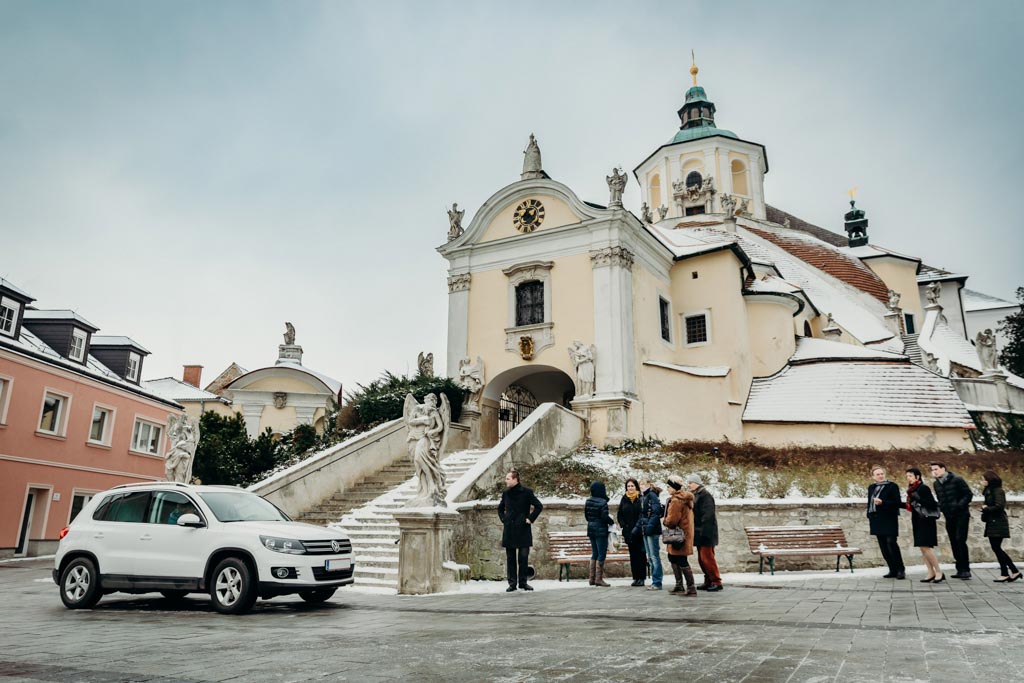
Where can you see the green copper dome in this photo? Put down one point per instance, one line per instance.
(697, 117)
(688, 134)
(696, 94)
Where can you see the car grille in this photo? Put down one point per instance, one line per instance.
(324, 547)
(321, 574)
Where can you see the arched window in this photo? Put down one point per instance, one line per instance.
(739, 178)
(807, 329)
(693, 179)
(655, 192)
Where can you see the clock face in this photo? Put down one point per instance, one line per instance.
(528, 215)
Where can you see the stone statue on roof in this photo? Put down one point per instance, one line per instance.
(662, 211)
(645, 213)
(933, 291)
(455, 221)
(289, 334)
(986, 344)
(742, 208)
(531, 160)
(616, 184)
(931, 362)
(728, 205)
(894, 300)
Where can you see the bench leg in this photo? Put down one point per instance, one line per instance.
(760, 566)
(771, 564)
(849, 558)
(838, 557)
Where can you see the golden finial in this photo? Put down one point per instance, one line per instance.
(693, 68)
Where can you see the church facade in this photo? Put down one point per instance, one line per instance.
(709, 315)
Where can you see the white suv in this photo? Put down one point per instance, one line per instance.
(179, 539)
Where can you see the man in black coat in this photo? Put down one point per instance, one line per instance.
(516, 515)
(705, 532)
(954, 496)
(884, 519)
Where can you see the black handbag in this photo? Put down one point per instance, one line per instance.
(673, 537)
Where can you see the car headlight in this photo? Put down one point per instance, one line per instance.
(283, 545)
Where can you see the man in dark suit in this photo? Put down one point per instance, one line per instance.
(954, 496)
(516, 515)
(884, 519)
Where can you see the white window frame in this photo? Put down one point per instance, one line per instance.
(132, 445)
(15, 308)
(707, 325)
(6, 386)
(79, 336)
(132, 371)
(108, 426)
(671, 341)
(80, 492)
(62, 415)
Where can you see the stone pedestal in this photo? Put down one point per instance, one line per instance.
(894, 321)
(425, 560)
(472, 418)
(289, 352)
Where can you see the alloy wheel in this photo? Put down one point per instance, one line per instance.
(229, 586)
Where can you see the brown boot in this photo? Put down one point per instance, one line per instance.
(678, 572)
(593, 568)
(691, 590)
(599, 576)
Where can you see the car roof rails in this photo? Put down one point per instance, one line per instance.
(151, 483)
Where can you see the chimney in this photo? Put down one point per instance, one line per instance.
(193, 375)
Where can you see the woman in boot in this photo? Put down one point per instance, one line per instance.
(598, 520)
(679, 515)
(997, 525)
(629, 513)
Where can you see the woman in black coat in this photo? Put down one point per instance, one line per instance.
(924, 514)
(598, 520)
(630, 508)
(997, 526)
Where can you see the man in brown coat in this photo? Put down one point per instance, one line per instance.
(679, 515)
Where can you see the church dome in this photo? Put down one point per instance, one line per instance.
(688, 134)
(697, 116)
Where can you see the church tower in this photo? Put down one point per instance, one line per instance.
(688, 175)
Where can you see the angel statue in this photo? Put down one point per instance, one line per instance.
(987, 352)
(428, 426)
(894, 300)
(425, 364)
(455, 221)
(582, 357)
(289, 334)
(184, 433)
(728, 205)
(933, 292)
(471, 379)
(616, 184)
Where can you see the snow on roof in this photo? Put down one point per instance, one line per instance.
(769, 284)
(176, 390)
(945, 343)
(857, 392)
(685, 239)
(117, 340)
(869, 251)
(926, 273)
(331, 383)
(979, 301)
(9, 285)
(697, 370)
(809, 349)
(59, 314)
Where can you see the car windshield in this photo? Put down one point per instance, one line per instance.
(239, 506)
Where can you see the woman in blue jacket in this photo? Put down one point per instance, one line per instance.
(649, 527)
(598, 521)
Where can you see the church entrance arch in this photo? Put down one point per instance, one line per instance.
(512, 395)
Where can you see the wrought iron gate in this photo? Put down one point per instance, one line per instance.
(516, 403)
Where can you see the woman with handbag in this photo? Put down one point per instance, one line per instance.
(629, 512)
(924, 514)
(595, 511)
(997, 526)
(678, 534)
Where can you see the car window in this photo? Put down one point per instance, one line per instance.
(103, 509)
(130, 507)
(168, 506)
(240, 506)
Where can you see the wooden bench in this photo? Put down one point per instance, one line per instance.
(769, 542)
(566, 548)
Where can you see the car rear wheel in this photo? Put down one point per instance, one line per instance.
(80, 584)
(233, 588)
(317, 596)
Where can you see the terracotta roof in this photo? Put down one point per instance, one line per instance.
(779, 216)
(826, 258)
(697, 224)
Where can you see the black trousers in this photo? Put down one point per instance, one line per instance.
(637, 558)
(1006, 565)
(956, 529)
(514, 563)
(890, 547)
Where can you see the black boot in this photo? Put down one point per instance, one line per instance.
(677, 571)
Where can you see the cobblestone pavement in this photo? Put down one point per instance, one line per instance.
(820, 629)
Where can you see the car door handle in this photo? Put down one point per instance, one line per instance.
(99, 536)
(145, 537)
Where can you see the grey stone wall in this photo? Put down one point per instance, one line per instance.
(477, 540)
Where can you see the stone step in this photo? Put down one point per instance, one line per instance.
(375, 581)
(377, 571)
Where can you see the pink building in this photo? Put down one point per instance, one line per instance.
(74, 420)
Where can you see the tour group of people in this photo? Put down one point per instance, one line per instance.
(952, 501)
(687, 521)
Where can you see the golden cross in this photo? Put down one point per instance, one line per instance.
(853, 192)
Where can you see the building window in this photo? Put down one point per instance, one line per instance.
(908, 320)
(655, 191)
(693, 179)
(133, 367)
(78, 339)
(695, 210)
(54, 413)
(5, 395)
(146, 437)
(530, 303)
(102, 421)
(78, 501)
(739, 178)
(9, 309)
(666, 319)
(697, 329)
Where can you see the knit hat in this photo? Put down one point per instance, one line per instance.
(676, 482)
(695, 478)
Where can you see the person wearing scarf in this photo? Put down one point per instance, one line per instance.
(924, 512)
(884, 520)
(629, 513)
(595, 510)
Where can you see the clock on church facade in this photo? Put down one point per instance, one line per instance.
(529, 215)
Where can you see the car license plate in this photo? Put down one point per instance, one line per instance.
(336, 565)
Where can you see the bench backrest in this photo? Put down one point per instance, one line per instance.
(565, 543)
(795, 537)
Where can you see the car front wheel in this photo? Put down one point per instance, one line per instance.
(317, 596)
(233, 588)
(80, 584)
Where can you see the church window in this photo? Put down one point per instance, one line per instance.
(739, 178)
(694, 210)
(696, 326)
(530, 303)
(666, 319)
(655, 192)
(908, 321)
(807, 329)
(693, 179)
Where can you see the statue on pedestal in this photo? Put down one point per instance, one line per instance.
(893, 303)
(616, 184)
(428, 425)
(728, 206)
(645, 213)
(471, 379)
(455, 221)
(289, 334)
(986, 343)
(184, 434)
(531, 160)
(425, 364)
(582, 357)
(662, 211)
(933, 291)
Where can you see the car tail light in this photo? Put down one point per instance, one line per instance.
(64, 531)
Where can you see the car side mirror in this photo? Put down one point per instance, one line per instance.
(190, 520)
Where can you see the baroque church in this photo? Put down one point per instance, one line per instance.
(711, 314)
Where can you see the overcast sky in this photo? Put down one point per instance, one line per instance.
(193, 174)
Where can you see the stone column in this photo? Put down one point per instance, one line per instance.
(472, 418)
(252, 412)
(458, 321)
(614, 371)
(424, 548)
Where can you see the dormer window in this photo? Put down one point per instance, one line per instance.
(77, 349)
(132, 375)
(9, 310)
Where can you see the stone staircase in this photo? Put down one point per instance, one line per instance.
(364, 513)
